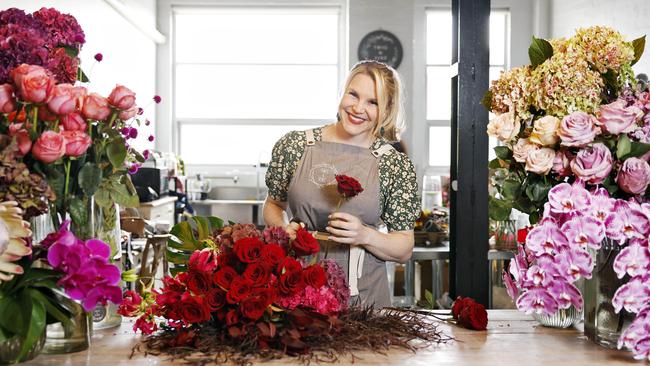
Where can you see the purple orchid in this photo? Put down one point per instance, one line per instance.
(632, 296)
(642, 349)
(546, 238)
(519, 265)
(569, 199)
(537, 276)
(639, 328)
(584, 231)
(601, 204)
(566, 294)
(626, 222)
(633, 260)
(537, 300)
(511, 286)
(572, 264)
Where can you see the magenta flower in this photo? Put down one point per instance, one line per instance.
(568, 199)
(632, 296)
(99, 57)
(537, 300)
(537, 276)
(511, 286)
(626, 222)
(546, 237)
(601, 204)
(633, 260)
(584, 231)
(574, 263)
(519, 265)
(642, 349)
(566, 294)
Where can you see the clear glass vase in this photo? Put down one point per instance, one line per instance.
(74, 337)
(10, 349)
(602, 324)
(563, 318)
(505, 235)
(41, 226)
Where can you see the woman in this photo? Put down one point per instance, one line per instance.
(301, 176)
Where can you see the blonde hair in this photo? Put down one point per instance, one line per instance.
(388, 85)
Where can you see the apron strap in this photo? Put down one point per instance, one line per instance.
(309, 135)
(382, 150)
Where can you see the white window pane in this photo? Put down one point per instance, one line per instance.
(440, 145)
(497, 37)
(495, 72)
(240, 35)
(439, 37)
(256, 91)
(438, 93)
(230, 144)
(492, 143)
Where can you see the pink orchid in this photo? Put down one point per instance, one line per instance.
(511, 286)
(626, 222)
(566, 294)
(633, 260)
(584, 231)
(601, 204)
(569, 199)
(574, 263)
(537, 300)
(632, 296)
(519, 265)
(537, 276)
(546, 238)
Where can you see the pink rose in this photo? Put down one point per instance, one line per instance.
(578, 129)
(49, 147)
(73, 122)
(14, 128)
(522, 148)
(7, 102)
(62, 99)
(122, 98)
(45, 114)
(80, 93)
(540, 161)
(34, 83)
(634, 176)
(615, 118)
(561, 164)
(23, 141)
(593, 164)
(128, 113)
(95, 107)
(77, 142)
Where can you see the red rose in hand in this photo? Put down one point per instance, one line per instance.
(291, 282)
(240, 288)
(473, 316)
(305, 243)
(315, 276)
(460, 304)
(193, 309)
(348, 186)
(273, 254)
(224, 277)
(248, 250)
(258, 273)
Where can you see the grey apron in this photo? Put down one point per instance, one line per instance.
(312, 196)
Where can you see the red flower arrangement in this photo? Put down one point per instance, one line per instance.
(469, 314)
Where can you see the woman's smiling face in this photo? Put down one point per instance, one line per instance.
(358, 108)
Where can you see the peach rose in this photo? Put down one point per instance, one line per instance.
(540, 161)
(128, 113)
(23, 141)
(73, 122)
(121, 98)
(49, 147)
(522, 148)
(62, 99)
(95, 107)
(7, 102)
(504, 127)
(34, 83)
(77, 142)
(545, 131)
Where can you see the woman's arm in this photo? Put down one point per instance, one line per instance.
(274, 213)
(396, 246)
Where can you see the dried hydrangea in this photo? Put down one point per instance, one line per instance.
(559, 44)
(511, 90)
(602, 47)
(564, 84)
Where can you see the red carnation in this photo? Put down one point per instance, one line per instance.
(130, 305)
(305, 243)
(291, 282)
(315, 276)
(348, 186)
(240, 288)
(248, 250)
(258, 273)
(473, 316)
(273, 254)
(224, 277)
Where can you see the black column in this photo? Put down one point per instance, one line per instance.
(469, 274)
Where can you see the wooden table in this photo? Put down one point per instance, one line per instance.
(512, 338)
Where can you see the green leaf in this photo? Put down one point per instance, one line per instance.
(533, 218)
(177, 257)
(36, 325)
(34, 275)
(538, 191)
(499, 209)
(81, 75)
(429, 297)
(503, 152)
(486, 101)
(120, 193)
(78, 212)
(523, 204)
(51, 308)
(71, 51)
(539, 51)
(638, 45)
(511, 189)
(116, 152)
(215, 223)
(13, 316)
(610, 185)
(177, 269)
(494, 163)
(637, 149)
(103, 196)
(611, 80)
(202, 227)
(90, 176)
(183, 231)
(624, 146)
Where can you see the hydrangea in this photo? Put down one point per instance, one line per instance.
(510, 90)
(602, 47)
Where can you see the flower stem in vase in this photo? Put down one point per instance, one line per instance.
(35, 120)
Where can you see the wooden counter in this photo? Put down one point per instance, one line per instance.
(512, 338)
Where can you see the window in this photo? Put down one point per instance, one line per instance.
(438, 62)
(244, 76)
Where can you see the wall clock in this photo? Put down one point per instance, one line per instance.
(382, 46)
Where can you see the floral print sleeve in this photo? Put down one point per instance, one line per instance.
(399, 192)
(284, 160)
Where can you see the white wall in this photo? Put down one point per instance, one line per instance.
(630, 17)
(129, 55)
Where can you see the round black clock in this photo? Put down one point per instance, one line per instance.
(382, 46)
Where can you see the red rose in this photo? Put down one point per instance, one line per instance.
(291, 282)
(198, 282)
(315, 276)
(273, 254)
(193, 309)
(232, 318)
(522, 234)
(223, 278)
(253, 307)
(459, 305)
(203, 261)
(240, 288)
(216, 299)
(348, 186)
(248, 250)
(473, 316)
(289, 264)
(305, 243)
(257, 273)
(226, 259)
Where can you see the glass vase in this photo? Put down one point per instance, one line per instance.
(563, 318)
(41, 226)
(74, 337)
(602, 324)
(10, 349)
(505, 235)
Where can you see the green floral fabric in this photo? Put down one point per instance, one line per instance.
(400, 203)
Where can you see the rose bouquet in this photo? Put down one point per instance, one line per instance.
(575, 113)
(242, 292)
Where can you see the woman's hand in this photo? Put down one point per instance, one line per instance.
(347, 229)
(291, 229)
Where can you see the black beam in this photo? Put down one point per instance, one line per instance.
(469, 271)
